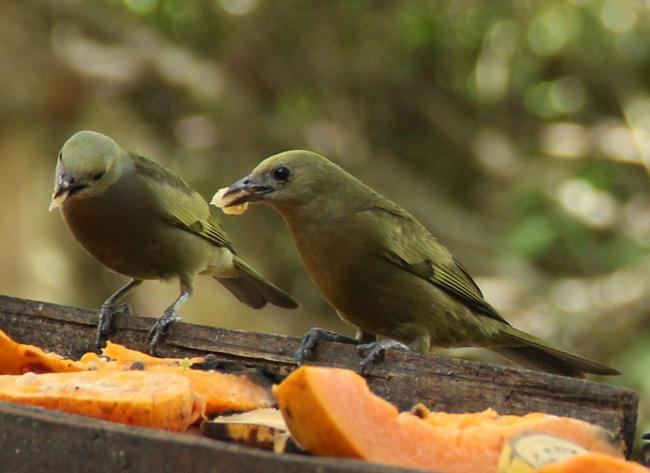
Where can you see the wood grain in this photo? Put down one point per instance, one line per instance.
(35, 440)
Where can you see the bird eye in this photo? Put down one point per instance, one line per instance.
(282, 174)
(98, 176)
(60, 156)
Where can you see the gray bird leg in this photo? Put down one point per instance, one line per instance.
(375, 351)
(161, 327)
(309, 341)
(109, 309)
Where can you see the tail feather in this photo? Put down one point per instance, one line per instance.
(252, 289)
(534, 353)
(244, 292)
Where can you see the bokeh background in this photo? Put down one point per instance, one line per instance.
(517, 131)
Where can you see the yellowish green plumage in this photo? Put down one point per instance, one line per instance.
(383, 271)
(139, 219)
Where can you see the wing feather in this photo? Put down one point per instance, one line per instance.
(409, 245)
(182, 206)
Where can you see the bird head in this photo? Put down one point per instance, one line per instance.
(287, 179)
(85, 167)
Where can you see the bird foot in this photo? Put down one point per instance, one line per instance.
(309, 341)
(159, 330)
(375, 351)
(106, 319)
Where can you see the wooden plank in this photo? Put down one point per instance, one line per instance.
(403, 378)
(34, 440)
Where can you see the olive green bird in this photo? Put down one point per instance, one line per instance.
(383, 271)
(142, 221)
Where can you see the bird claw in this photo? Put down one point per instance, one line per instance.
(309, 341)
(124, 308)
(107, 315)
(158, 332)
(375, 351)
(305, 348)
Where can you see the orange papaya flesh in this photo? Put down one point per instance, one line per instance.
(332, 412)
(222, 391)
(594, 462)
(588, 436)
(159, 400)
(16, 358)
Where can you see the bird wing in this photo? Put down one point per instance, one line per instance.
(181, 206)
(410, 246)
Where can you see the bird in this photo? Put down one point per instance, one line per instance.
(140, 220)
(385, 272)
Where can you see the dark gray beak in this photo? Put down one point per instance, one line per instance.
(63, 184)
(250, 191)
(66, 185)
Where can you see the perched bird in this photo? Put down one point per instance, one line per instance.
(383, 271)
(142, 221)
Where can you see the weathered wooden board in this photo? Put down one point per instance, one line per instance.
(403, 378)
(34, 440)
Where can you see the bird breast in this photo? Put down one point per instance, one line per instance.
(124, 229)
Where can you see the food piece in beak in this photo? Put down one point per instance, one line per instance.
(218, 200)
(57, 201)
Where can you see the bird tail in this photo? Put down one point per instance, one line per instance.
(532, 352)
(250, 288)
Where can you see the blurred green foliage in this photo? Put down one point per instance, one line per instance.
(517, 131)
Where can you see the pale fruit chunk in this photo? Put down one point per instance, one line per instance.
(218, 200)
(261, 428)
(528, 452)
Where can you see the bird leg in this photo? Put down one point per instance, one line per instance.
(161, 327)
(373, 352)
(309, 341)
(109, 309)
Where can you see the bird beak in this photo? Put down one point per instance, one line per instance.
(246, 190)
(64, 188)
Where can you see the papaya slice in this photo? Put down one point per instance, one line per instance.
(222, 391)
(16, 358)
(332, 412)
(159, 400)
(594, 462)
(124, 355)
